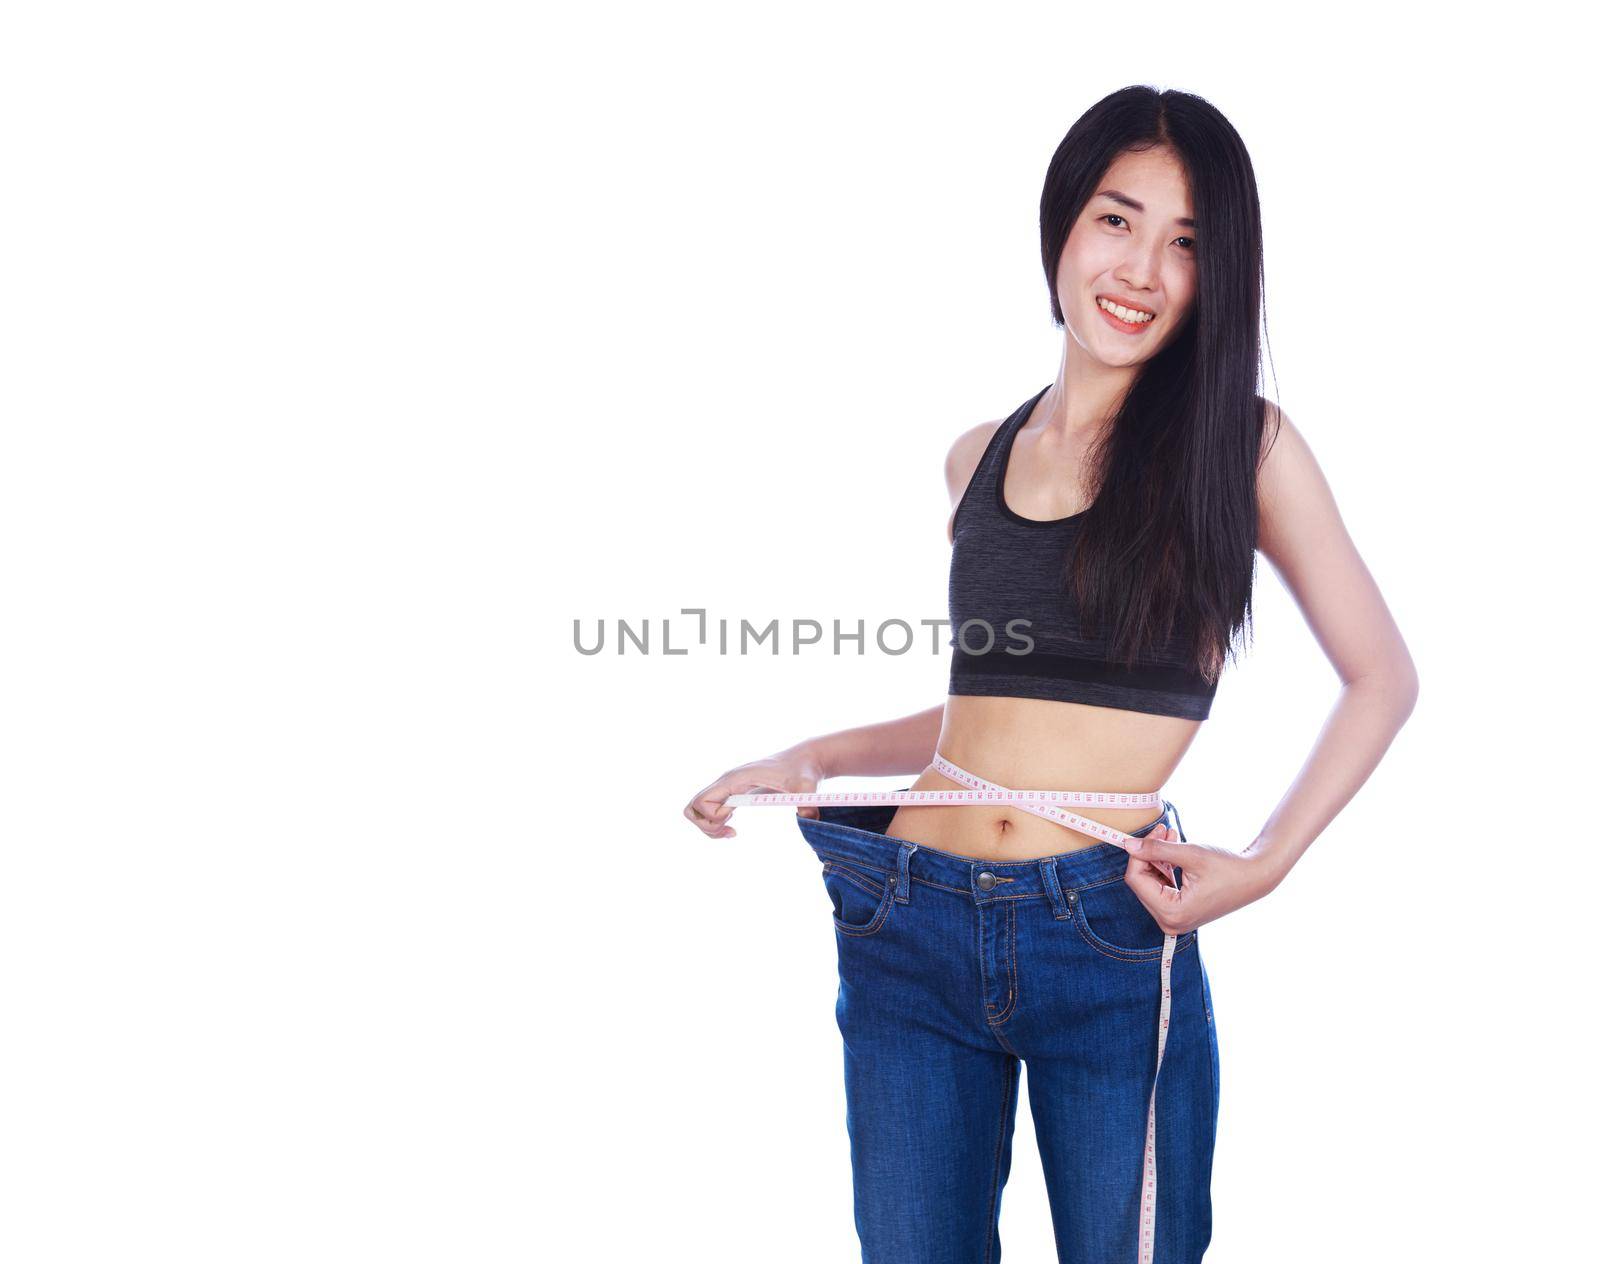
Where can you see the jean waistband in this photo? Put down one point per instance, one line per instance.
(854, 835)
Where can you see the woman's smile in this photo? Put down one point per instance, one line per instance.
(1141, 319)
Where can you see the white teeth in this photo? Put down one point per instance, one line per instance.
(1124, 313)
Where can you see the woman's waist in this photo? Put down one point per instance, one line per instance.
(1011, 830)
(1120, 807)
(1028, 744)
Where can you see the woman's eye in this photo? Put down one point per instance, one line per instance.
(1107, 218)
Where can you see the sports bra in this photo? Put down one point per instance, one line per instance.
(1014, 625)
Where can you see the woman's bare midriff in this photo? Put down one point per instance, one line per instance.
(1034, 744)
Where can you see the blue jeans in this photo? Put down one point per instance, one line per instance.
(953, 972)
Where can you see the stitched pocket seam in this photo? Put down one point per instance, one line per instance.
(1081, 921)
(885, 904)
(872, 888)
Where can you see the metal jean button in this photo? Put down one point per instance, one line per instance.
(986, 881)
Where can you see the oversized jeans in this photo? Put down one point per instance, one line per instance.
(953, 972)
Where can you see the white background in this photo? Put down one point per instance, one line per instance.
(351, 352)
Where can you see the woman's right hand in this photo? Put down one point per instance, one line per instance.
(794, 771)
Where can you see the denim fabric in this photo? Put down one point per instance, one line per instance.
(953, 973)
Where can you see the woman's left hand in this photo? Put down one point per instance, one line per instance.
(1215, 881)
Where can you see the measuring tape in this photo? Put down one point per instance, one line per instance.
(1041, 803)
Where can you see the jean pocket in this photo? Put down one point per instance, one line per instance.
(862, 897)
(1115, 923)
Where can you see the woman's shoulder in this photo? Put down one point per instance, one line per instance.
(1283, 447)
(1292, 492)
(1274, 421)
(961, 462)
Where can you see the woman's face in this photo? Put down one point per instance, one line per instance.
(1134, 243)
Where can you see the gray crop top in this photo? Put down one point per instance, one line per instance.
(1006, 589)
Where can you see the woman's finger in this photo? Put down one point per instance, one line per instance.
(708, 811)
(1150, 875)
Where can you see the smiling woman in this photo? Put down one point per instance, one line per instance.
(1123, 314)
(1113, 518)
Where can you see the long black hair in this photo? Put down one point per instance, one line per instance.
(1175, 470)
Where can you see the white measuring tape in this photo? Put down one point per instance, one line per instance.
(1040, 803)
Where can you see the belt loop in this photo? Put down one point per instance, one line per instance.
(1052, 886)
(1176, 820)
(903, 883)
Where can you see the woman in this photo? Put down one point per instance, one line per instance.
(1104, 539)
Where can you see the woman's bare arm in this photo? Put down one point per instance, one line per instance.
(1304, 539)
(905, 745)
(888, 749)
(891, 748)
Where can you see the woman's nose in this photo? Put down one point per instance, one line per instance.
(1139, 269)
(1137, 274)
